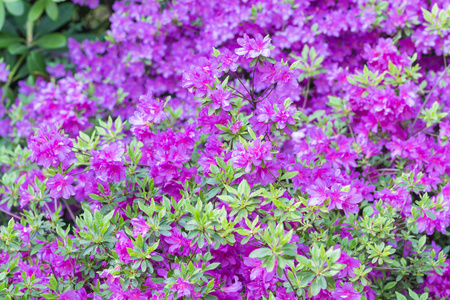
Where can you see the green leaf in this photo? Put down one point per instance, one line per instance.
(422, 241)
(36, 248)
(15, 8)
(252, 133)
(430, 215)
(289, 175)
(51, 9)
(261, 252)
(52, 41)
(390, 285)
(35, 63)
(315, 287)
(17, 48)
(47, 25)
(400, 296)
(53, 282)
(8, 39)
(36, 10)
(271, 60)
(216, 52)
(2, 15)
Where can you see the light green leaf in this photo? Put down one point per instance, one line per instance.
(36, 10)
(15, 8)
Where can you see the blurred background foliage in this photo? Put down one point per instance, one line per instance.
(35, 33)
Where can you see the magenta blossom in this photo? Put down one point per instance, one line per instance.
(182, 288)
(61, 186)
(251, 48)
(140, 226)
(346, 292)
(4, 72)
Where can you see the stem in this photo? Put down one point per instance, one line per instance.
(48, 208)
(292, 286)
(10, 214)
(242, 83)
(72, 215)
(351, 132)
(307, 92)
(382, 170)
(193, 253)
(11, 75)
(168, 260)
(29, 28)
(429, 95)
(268, 93)
(276, 178)
(253, 78)
(266, 89)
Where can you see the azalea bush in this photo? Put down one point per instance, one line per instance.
(227, 150)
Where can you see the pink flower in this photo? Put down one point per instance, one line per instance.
(182, 288)
(251, 48)
(245, 46)
(50, 148)
(221, 99)
(284, 116)
(346, 292)
(350, 263)
(259, 46)
(140, 226)
(241, 158)
(136, 294)
(228, 60)
(150, 109)
(61, 186)
(236, 126)
(318, 193)
(108, 164)
(260, 151)
(178, 243)
(4, 72)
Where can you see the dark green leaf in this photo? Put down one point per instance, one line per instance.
(65, 13)
(17, 48)
(8, 39)
(35, 63)
(2, 15)
(52, 41)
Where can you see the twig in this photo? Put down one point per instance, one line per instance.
(268, 93)
(72, 215)
(168, 260)
(383, 169)
(10, 214)
(242, 83)
(193, 253)
(253, 79)
(307, 92)
(351, 132)
(276, 178)
(429, 95)
(292, 286)
(11, 75)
